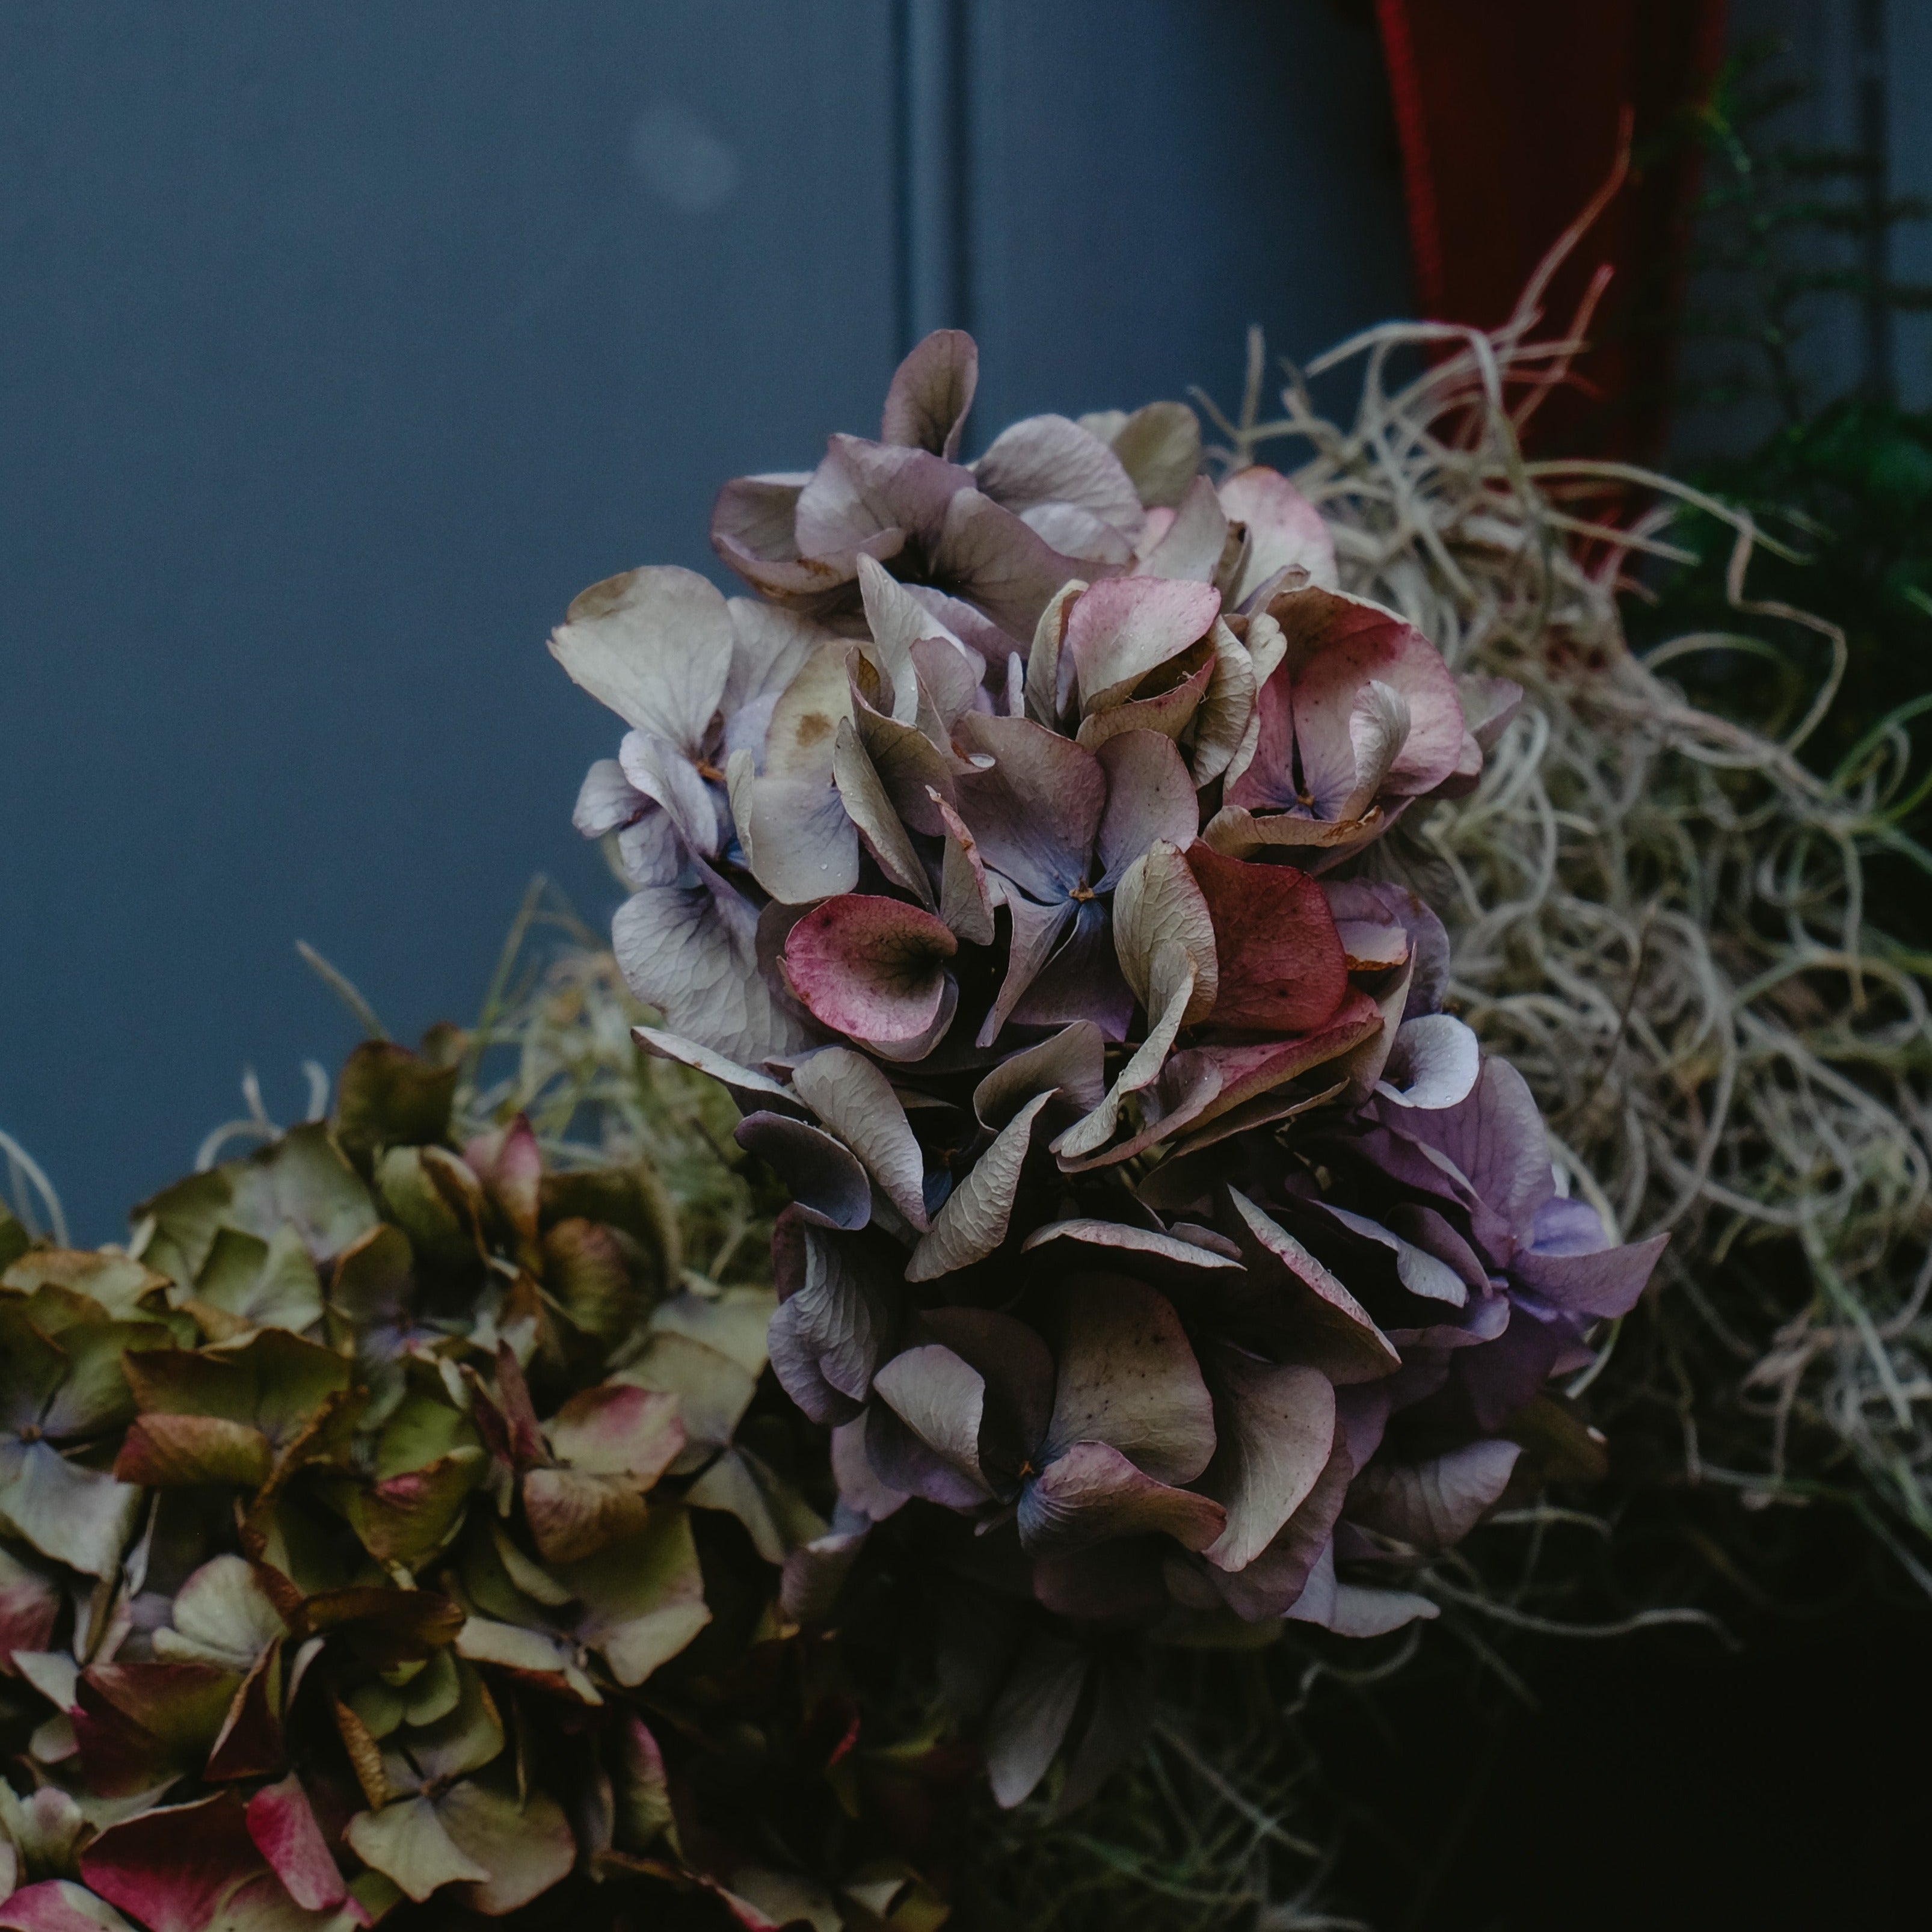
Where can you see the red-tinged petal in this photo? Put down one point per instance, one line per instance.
(282, 1823)
(164, 1451)
(139, 1724)
(190, 1867)
(1336, 646)
(58, 1905)
(510, 1165)
(520, 1416)
(870, 967)
(1282, 969)
(1121, 629)
(30, 1603)
(249, 1743)
(616, 1430)
(1285, 530)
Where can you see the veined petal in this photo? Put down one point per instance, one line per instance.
(1282, 966)
(932, 391)
(655, 645)
(1285, 530)
(1091, 1493)
(1128, 1378)
(870, 967)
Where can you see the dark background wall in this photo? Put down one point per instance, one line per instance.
(340, 346)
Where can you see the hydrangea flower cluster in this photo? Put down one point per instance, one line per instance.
(1015, 857)
(392, 1526)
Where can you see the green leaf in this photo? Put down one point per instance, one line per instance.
(389, 1096)
(78, 1516)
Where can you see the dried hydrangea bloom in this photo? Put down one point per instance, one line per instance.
(1149, 1216)
(344, 1521)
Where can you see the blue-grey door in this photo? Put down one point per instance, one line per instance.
(339, 347)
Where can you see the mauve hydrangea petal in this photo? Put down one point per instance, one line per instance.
(976, 1214)
(1432, 1505)
(904, 1467)
(1150, 796)
(1190, 548)
(855, 1100)
(1019, 1374)
(941, 1398)
(833, 1328)
(769, 646)
(870, 967)
(1161, 917)
(1035, 812)
(822, 1176)
(1271, 1583)
(932, 391)
(1564, 1226)
(1128, 1379)
(1070, 1065)
(1433, 1062)
(1090, 1493)
(1285, 530)
(1496, 1137)
(755, 515)
(1604, 1284)
(1030, 1719)
(691, 950)
(1159, 446)
(989, 557)
(1275, 1429)
(862, 490)
(1081, 979)
(606, 800)
(1333, 1330)
(1119, 630)
(1048, 460)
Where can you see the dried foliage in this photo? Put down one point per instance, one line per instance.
(394, 1529)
